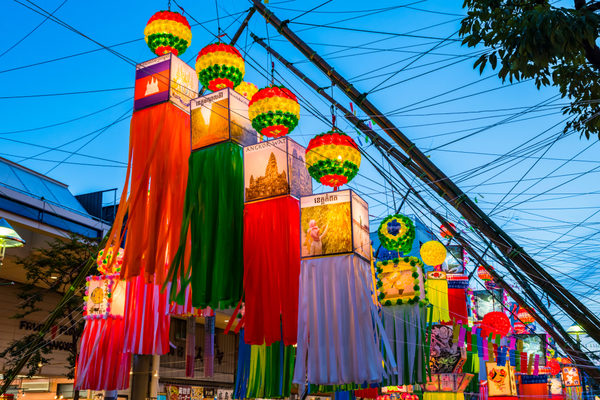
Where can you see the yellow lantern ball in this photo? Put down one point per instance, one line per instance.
(433, 253)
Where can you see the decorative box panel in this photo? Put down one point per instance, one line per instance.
(165, 78)
(219, 117)
(275, 168)
(329, 222)
(556, 388)
(570, 376)
(454, 263)
(400, 281)
(534, 343)
(501, 380)
(487, 301)
(467, 378)
(105, 297)
(433, 383)
(446, 357)
(449, 382)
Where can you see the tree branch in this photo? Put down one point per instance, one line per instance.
(595, 6)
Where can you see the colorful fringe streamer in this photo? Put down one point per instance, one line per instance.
(147, 320)
(102, 364)
(405, 327)
(335, 312)
(190, 346)
(457, 300)
(272, 270)
(243, 369)
(271, 370)
(437, 292)
(209, 346)
(443, 396)
(159, 144)
(214, 206)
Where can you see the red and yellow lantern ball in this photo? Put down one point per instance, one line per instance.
(483, 274)
(332, 158)
(247, 89)
(445, 233)
(220, 66)
(495, 322)
(274, 111)
(525, 316)
(168, 32)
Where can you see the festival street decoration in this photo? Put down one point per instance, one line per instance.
(168, 32)
(274, 111)
(436, 286)
(220, 66)
(433, 253)
(247, 89)
(397, 232)
(333, 158)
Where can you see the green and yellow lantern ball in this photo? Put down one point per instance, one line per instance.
(433, 253)
(168, 32)
(274, 111)
(247, 89)
(332, 158)
(397, 233)
(220, 66)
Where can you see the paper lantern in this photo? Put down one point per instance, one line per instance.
(446, 357)
(168, 32)
(162, 79)
(221, 117)
(106, 265)
(274, 111)
(554, 366)
(445, 233)
(483, 274)
(333, 158)
(400, 281)
(525, 316)
(433, 253)
(275, 168)
(397, 233)
(495, 322)
(247, 89)
(220, 66)
(334, 223)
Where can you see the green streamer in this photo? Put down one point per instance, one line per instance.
(269, 378)
(214, 211)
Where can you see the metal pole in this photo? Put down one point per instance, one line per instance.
(445, 187)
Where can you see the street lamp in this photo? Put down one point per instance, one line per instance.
(8, 238)
(576, 331)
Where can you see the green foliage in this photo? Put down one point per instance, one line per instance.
(551, 46)
(62, 259)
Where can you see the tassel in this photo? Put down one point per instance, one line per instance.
(209, 346)
(190, 347)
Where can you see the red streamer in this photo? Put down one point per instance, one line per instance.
(272, 270)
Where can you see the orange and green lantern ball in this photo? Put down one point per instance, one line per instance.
(168, 32)
(274, 111)
(247, 89)
(332, 158)
(220, 66)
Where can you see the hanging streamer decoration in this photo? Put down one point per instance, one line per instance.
(336, 312)
(102, 363)
(159, 144)
(247, 89)
(274, 111)
(220, 66)
(397, 233)
(271, 270)
(399, 284)
(190, 346)
(437, 292)
(209, 345)
(168, 32)
(214, 212)
(333, 158)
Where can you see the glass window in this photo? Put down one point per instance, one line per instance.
(34, 185)
(65, 197)
(9, 179)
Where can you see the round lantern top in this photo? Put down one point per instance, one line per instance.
(220, 66)
(444, 232)
(168, 32)
(433, 253)
(495, 322)
(247, 89)
(525, 316)
(274, 111)
(271, 92)
(333, 158)
(215, 47)
(397, 233)
(483, 274)
(106, 265)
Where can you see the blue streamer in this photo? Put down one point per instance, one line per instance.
(243, 369)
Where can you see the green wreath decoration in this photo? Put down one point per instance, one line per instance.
(397, 232)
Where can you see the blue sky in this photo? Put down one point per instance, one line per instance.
(434, 104)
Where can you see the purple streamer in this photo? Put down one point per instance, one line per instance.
(209, 346)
